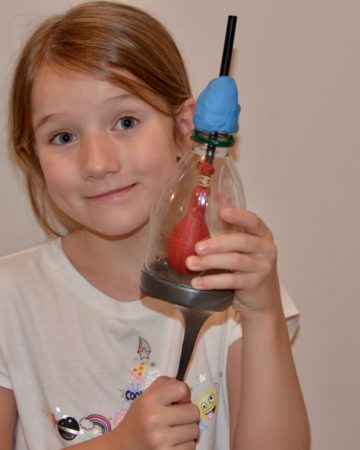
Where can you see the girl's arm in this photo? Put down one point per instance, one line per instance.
(266, 404)
(8, 418)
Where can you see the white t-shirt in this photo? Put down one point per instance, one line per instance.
(76, 359)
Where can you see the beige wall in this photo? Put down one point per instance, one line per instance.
(297, 67)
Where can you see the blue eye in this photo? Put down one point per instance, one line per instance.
(125, 123)
(63, 138)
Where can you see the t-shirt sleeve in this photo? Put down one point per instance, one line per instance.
(4, 372)
(291, 314)
(4, 375)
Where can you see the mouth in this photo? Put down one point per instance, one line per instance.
(112, 194)
(210, 412)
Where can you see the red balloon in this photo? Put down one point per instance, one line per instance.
(191, 229)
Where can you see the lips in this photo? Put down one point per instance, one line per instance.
(112, 194)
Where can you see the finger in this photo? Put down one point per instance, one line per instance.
(182, 414)
(234, 262)
(236, 242)
(245, 219)
(185, 400)
(166, 391)
(185, 434)
(235, 281)
(187, 446)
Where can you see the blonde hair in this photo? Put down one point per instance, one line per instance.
(96, 38)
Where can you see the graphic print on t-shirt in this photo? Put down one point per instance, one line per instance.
(138, 371)
(144, 348)
(208, 405)
(86, 428)
(142, 373)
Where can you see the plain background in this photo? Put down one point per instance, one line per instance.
(297, 68)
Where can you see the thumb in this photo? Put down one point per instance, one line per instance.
(186, 398)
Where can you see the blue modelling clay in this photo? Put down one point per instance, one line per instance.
(217, 108)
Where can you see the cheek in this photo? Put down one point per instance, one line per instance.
(157, 166)
(57, 179)
(163, 171)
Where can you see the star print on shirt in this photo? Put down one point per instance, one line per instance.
(202, 377)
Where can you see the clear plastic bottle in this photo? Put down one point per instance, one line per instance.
(191, 197)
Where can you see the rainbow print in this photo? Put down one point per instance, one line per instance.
(101, 422)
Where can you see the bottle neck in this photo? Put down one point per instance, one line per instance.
(212, 144)
(215, 138)
(210, 152)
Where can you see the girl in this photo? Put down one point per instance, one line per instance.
(101, 109)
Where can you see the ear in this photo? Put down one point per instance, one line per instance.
(185, 117)
(184, 125)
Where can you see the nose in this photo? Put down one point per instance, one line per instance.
(98, 157)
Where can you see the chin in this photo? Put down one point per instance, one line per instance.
(119, 230)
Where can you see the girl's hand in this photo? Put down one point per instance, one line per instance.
(161, 418)
(248, 258)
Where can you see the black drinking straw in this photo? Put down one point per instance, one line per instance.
(228, 46)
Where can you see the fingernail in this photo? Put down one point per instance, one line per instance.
(226, 212)
(201, 247)
(196, 283)
(192, 263)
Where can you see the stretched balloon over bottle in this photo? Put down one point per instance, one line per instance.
(206, 180)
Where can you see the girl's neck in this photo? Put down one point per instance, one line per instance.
(112, 265)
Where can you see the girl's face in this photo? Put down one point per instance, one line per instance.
(104, 152)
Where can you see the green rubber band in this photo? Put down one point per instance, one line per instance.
(222, 140)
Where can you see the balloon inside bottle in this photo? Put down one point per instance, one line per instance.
(187, 211)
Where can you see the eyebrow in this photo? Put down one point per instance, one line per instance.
(43, 120)
(48, 117)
